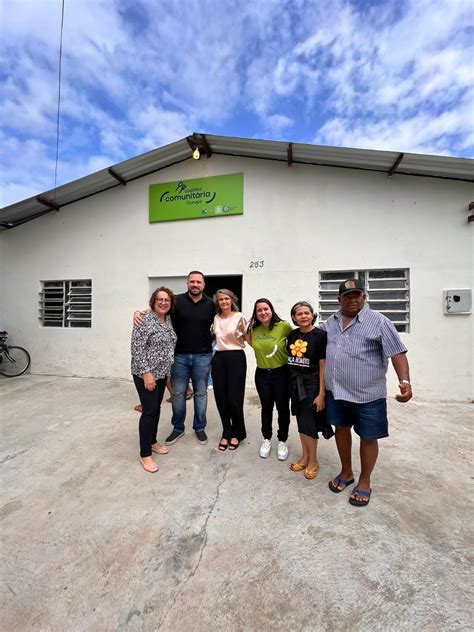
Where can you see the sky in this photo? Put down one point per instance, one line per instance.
(137, 74)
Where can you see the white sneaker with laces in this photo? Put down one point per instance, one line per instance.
(282, 451)
(265, 448)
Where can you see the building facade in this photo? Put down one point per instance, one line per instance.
(303, 227)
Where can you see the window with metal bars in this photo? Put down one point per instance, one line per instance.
(66, 303)
(388, 292)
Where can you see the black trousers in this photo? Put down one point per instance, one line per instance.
(151, 403)
(272, 388)
(229, 369)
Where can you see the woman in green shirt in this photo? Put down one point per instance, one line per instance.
(267, 334)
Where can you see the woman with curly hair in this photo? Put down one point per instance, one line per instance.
(152, 347)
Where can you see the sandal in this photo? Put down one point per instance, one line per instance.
(159, 449)
(297, 467)
(339, 481)
(359, 503)
(234, 446)
(223, 446)
(149, 468)
(310, 474)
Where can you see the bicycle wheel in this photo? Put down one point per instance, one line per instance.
(14, 361)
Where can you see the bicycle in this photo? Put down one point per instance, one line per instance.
(13, 360)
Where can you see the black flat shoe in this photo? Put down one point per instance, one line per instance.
(223, 446)
(234, 446)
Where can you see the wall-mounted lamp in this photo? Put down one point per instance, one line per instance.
(199, 146)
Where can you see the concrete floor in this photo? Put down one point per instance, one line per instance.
(224, 540)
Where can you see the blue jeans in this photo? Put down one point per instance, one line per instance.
(194, 367)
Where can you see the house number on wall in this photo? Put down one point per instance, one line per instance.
(257, 264)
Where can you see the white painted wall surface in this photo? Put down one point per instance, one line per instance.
(298, 220)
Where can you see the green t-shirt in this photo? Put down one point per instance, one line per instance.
(270, 345)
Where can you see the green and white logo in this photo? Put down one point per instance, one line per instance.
(200, 197)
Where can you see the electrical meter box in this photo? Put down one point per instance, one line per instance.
(457, 301)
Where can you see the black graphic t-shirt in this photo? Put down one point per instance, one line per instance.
(306, 350)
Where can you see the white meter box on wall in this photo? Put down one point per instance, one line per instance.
(457, 301)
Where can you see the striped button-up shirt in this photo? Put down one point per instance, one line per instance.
(357, 356)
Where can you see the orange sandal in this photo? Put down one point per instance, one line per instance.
(310, 474)
(297, 467)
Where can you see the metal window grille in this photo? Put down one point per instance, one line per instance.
(66, 303)
(388, 292)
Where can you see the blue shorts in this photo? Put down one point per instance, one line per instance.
(369, 420)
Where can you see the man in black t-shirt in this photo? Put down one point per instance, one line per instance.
(192, 320)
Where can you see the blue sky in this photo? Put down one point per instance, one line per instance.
(138, 74)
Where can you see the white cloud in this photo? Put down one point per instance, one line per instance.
(138, 75)
(159, 126)
(375, 74)
(278, 122)
(422, 132)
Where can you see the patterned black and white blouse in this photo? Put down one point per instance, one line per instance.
(153, 344)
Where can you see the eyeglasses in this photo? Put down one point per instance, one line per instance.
(165, 301)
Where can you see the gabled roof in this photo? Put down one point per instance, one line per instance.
(120, 174)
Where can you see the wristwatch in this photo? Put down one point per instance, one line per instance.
(404, 382)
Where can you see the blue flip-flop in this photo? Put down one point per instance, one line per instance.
(360, 503)
(339, 481)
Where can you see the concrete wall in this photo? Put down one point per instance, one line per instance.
(297, 220)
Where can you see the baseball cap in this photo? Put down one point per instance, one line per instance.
(351, 285)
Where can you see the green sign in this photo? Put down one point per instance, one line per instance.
(215, 196)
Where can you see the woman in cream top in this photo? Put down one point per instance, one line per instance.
(229, 368)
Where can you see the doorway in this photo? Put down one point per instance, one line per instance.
(232, 282)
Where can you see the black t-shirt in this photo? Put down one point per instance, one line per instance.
(306, 350)
(192, 324)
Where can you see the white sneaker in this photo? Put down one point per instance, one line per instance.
(265, 448)
(282, 451)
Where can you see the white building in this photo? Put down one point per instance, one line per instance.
(311, 214)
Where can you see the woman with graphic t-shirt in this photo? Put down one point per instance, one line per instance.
(306, 358)
(267, 334)
(229, 368)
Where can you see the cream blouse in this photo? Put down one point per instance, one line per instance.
(230, 332)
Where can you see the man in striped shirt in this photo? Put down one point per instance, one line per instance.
(359, 343)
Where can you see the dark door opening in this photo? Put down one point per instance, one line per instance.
(231, 282)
